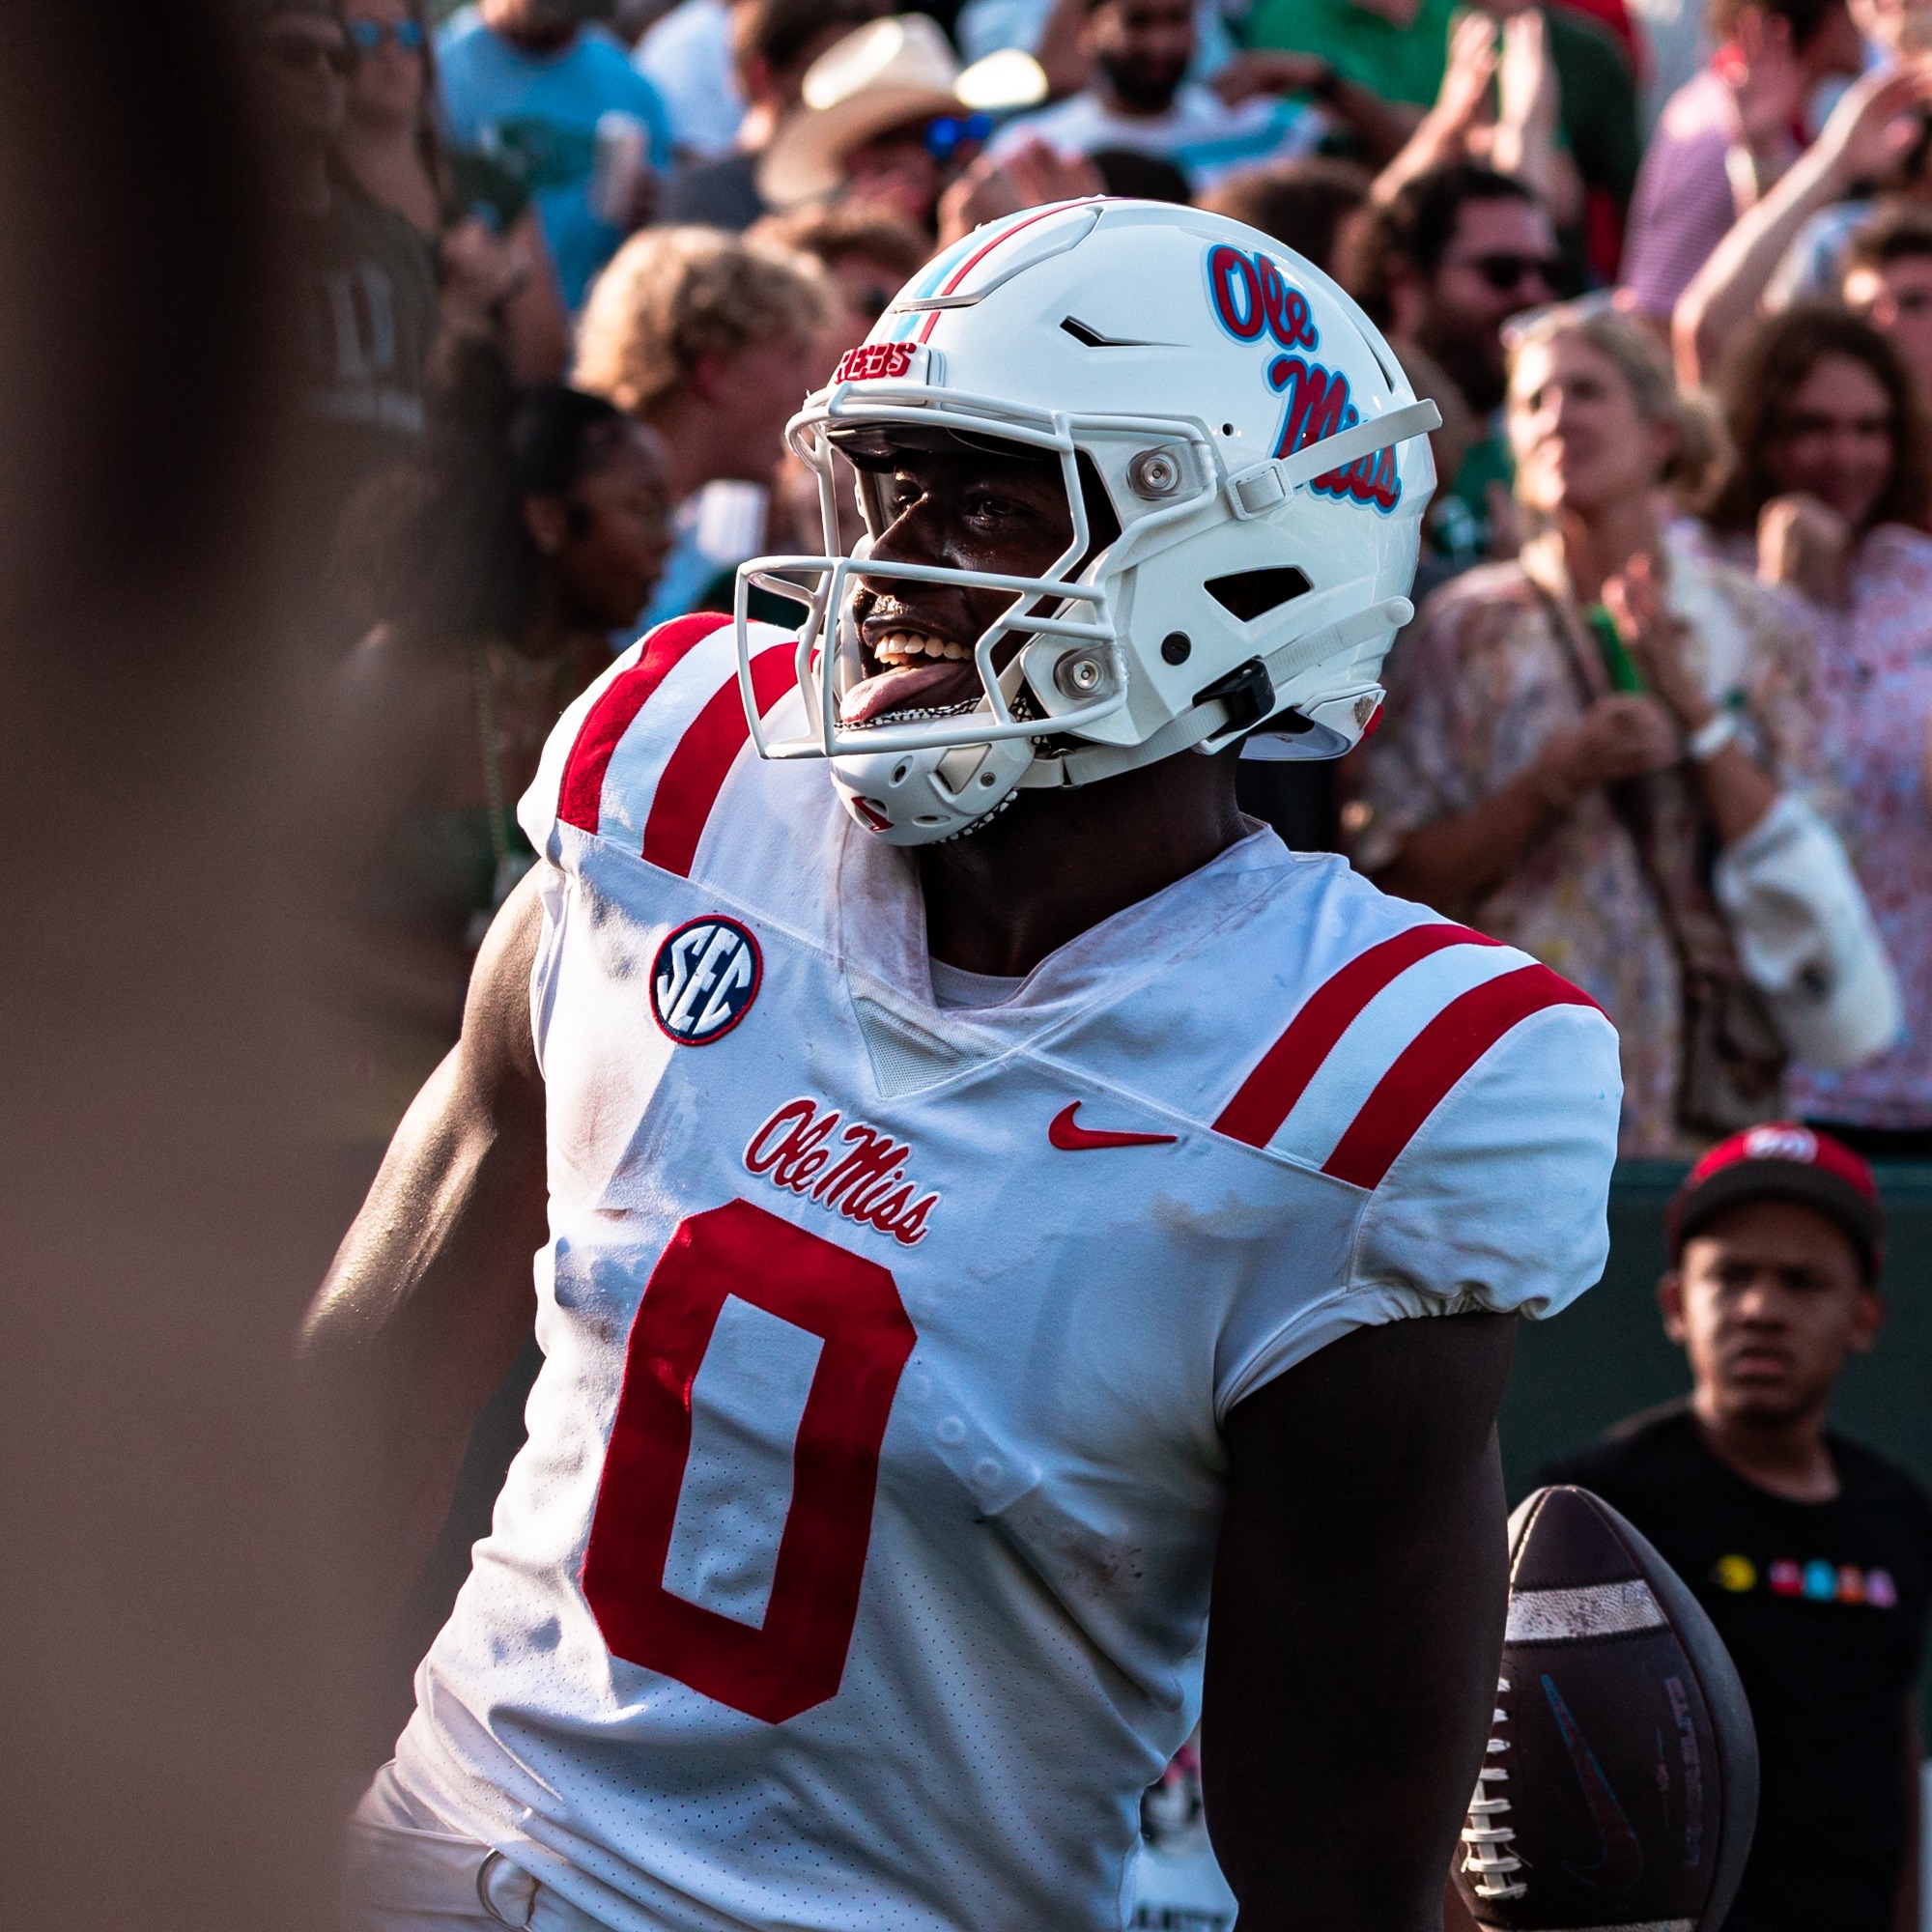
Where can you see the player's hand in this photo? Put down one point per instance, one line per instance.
(1268, 71)
(1802, 543)
(1030, 176)
(1620, 737)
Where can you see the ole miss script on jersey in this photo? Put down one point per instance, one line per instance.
(856, 1571)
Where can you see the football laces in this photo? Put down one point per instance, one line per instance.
(1489, 1861)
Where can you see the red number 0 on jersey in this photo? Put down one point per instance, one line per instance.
(796, 1658)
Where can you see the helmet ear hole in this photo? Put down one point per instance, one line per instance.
(1250, 593)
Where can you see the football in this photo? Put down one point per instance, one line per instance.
(1620, 1782)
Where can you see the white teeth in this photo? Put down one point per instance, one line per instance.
(902, 647)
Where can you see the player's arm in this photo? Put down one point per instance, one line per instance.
(1357, 1622)
(430, 1296)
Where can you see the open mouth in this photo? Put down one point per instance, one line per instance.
(912, 671)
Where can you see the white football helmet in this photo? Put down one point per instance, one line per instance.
(1262, 452)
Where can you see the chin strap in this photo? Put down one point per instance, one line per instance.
(1202, 722)
(1255, 492)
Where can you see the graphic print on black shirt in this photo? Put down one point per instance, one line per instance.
(1823, 1606)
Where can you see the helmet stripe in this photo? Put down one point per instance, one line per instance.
(978, 255)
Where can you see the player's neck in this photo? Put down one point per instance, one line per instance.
(1059, 863)
(1785, 1456)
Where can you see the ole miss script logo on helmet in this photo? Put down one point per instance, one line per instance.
(1252, 298)
(704, 980)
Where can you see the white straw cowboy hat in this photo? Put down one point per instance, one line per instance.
(878, 77)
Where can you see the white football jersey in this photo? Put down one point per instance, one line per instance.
(856, 1571)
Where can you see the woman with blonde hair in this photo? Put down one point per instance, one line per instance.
(1580, 741)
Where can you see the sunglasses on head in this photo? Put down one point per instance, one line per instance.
(367, 35)
(299, 55)
(945, 136)
(1504, 271)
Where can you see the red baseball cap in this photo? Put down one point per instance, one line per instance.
(1784, 1161)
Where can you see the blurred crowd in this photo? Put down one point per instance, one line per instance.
(1665, 265)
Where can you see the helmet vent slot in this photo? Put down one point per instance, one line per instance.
(1250, 593)
(1089, 337)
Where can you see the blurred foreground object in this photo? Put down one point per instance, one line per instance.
(166, 1740)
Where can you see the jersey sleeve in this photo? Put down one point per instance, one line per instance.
(639, 759)
(1490, 1195)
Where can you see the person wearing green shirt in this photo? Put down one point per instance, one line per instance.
(1400, 48)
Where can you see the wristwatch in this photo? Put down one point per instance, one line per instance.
(1712, 736)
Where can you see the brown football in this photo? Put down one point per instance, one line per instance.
(1620, 1784)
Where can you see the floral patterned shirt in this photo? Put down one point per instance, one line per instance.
(1476, 686)
(1875, 686)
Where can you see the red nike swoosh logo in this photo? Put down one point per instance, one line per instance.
(1071, 1138)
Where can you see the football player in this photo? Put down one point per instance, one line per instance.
(987, 1205)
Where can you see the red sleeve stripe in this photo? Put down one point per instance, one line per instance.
(1435, 1061)
(694, 774)
(580, 796)
(1268, 1095)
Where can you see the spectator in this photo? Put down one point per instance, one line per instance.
(1139, 98)
(1441, 268)
(1401, 52)
(1675, 45)
(1054, 33)
(882, 123)
(685, 55)
(867, 258)
(1302, 204)
(1725, 136)
(1497, 106)
(1832, 471)
(478, 219)
(773, 44)
(1896, 36)
(530, 83)
(1887, 280)
(714, 343)
(501, 564)
(1803, 221)
(1812, 1555)
(1562, 788)
(368, 292)
(1129, 174)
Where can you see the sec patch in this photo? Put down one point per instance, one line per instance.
(704, 979)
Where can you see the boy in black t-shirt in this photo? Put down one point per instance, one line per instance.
(1812, 1555)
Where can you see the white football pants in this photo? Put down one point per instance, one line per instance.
(406, 1871)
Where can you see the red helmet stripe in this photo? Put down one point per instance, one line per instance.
(977, 256)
